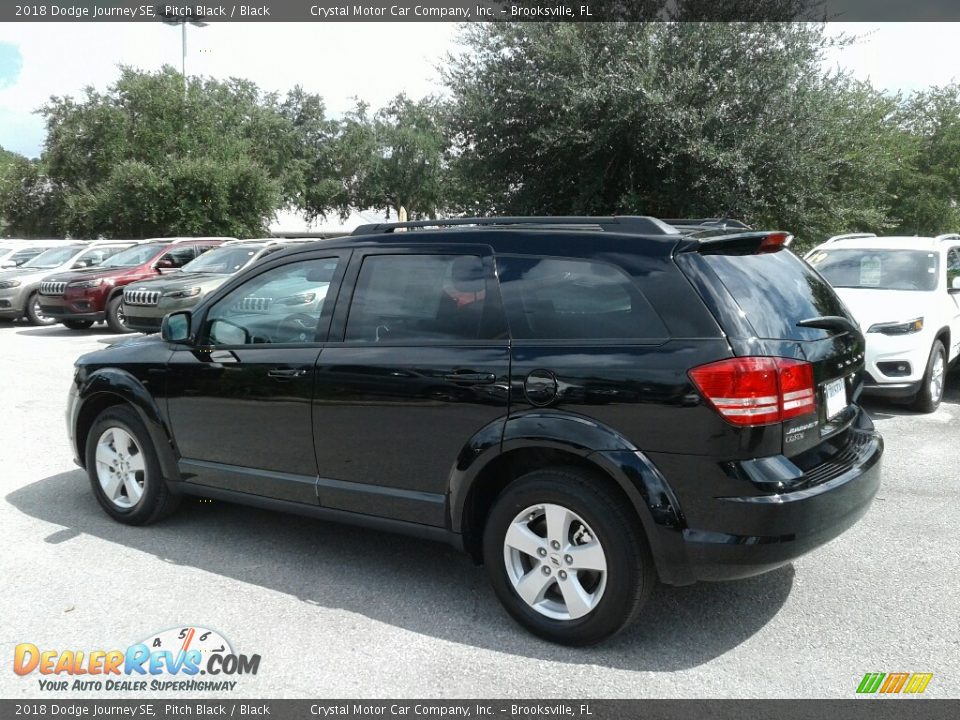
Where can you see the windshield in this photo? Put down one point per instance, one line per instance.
(874, 269)
(137, 255)
(54, 257)
(223, 261)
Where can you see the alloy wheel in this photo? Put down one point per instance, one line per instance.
(555, 562)
(38, 313)
(120, 467)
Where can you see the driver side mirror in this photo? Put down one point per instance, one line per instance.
(79, 264)
(954, 286)
(175, 327)
(164, 264)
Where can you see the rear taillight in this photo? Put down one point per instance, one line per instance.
(757, 390)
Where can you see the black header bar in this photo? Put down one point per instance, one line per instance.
(478, 10)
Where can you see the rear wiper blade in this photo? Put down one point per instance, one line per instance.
(830, 322)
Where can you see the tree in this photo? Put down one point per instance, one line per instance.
(669, 119)
(7, 159)
(394, 159)
(925, 188)
(143, 159)
(29, 204)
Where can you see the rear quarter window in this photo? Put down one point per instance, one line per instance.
(574, 299)
(775, 291)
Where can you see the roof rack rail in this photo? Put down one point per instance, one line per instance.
(269, 241)
(633, 224)
(721, 223)
(850, 236)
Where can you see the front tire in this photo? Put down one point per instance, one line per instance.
(124, 471)
(35, 315)
(115, 317)
(568, 561)
(931, 389)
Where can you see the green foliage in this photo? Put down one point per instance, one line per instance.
(7, 158)
(669, 119)
(925, 189)
(29, 204)
(407, 166)
(390, 160)
(146, 158)
(685, 119)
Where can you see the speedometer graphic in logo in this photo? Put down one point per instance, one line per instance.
(184, 639)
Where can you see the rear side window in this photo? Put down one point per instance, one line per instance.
(775, 291)
(439, 298)
(953, 265)
(568, 299)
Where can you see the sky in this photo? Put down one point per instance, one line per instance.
(343, 61)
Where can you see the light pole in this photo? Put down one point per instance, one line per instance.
(192, 17)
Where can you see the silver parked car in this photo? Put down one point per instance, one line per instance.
(19, 286)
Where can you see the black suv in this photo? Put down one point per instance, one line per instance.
(585, 405)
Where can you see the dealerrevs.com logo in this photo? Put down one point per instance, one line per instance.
(179, 659)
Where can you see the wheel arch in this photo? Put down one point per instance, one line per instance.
(111, 387)
(943, 335)
(569, 441)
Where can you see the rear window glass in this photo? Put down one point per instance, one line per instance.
(776, 291)
(564, 299)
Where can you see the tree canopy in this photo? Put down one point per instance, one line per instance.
(672, 119)
(684, 119)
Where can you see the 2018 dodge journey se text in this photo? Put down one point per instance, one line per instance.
(585, 405)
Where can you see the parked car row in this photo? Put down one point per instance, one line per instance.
(146, 303)
(130, 285)
(585, 405)
(14, 253)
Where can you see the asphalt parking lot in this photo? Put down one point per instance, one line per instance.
(342, 612)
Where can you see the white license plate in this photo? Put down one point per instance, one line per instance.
(835, 396)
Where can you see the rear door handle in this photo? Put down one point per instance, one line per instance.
(474, 378)
(287, 373)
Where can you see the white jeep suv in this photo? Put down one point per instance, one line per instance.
(905, 294)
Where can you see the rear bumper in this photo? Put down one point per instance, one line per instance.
(729, 535)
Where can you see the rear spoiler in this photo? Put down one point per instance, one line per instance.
(745, 243)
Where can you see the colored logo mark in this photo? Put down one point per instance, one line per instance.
(893, 683)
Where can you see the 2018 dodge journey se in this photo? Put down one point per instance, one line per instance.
(585, 405)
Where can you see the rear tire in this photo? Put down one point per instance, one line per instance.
(563, 540)
(928, 398)
(115, 319)
(78, 324)
(35, 314)
(124, 471)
